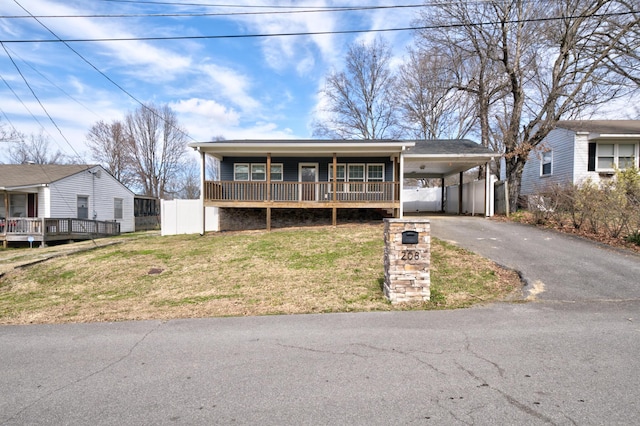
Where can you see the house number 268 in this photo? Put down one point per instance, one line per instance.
(410, 255)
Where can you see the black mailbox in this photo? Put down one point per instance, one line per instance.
(409, 237)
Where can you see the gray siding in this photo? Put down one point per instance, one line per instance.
(291, 165)
(562, 143)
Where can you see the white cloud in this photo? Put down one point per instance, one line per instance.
(231, 85)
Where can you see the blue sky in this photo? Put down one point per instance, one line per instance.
(238, 88)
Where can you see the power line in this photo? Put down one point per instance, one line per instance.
(310, 33)
(204, 14)
(38, 100)
(97, 70)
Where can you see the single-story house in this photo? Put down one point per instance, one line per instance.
(260, 177)
(46, 202)
(577, 150)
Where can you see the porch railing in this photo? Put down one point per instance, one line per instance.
(57, 227)
(346, 192)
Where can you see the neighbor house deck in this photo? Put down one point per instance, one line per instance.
(20, 229)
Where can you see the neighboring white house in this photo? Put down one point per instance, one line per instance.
(579, 150)
(86, 192)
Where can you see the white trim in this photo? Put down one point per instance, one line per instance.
(264, 165)
(235, 177)
(281, 172)
(616, 155)
(364, 172)
(542, 163)
(367, 172)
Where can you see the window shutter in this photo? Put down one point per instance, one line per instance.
(591, 164)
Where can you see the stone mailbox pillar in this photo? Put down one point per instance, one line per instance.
(407, 257)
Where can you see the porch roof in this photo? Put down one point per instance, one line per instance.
(422, 158)
(304, 147)
(443, 157)
(24, 176)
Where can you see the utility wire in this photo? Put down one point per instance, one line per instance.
(166, 15)
(38, 100)
(311, 33)
(99, 72)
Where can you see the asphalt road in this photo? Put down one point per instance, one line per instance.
(570, 357)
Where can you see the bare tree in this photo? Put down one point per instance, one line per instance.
(109, 145)
(531, 63)
(157, 146)
(35, 149)
(189, 181)
(8, 134)
(360, 98)
(430, 105)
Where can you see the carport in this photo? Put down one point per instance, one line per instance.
(439, 159)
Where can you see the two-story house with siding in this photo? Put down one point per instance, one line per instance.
(578, 150)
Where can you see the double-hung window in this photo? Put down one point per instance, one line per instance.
(340, 176)
(375, 173)
(117, 208)
(277, 172)
(546, 164)
(616, 155)
(241, 172)
(258, 172)
(83, 207)
(355, 173)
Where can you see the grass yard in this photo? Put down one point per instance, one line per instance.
(293, 271)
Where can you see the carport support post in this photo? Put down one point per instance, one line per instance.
(460, 192)
(442, 195)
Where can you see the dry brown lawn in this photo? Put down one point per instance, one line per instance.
(292, 271)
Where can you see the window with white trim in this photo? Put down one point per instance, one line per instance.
(546, 163)
(241, 171)
(375, 172)
(117, 208)
(355, 172)
(610, 156)
(340, 176)
(259, 172)
(277, 172)
(83, 207)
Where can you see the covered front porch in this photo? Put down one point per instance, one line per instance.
(321, 174)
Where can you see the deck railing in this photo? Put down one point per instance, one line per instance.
(345, 192)
(57, 227)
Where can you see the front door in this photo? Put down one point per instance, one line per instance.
(308, 178)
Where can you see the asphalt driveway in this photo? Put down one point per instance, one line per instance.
(555, 266)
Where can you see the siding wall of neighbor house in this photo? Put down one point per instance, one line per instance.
(101, 192)
(291, 168)
(564, 152)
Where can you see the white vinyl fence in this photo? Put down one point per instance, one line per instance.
(418, 200)
(185, 217)
(473, 198)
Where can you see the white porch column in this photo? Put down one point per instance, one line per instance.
(401, 178)
(202, 179)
